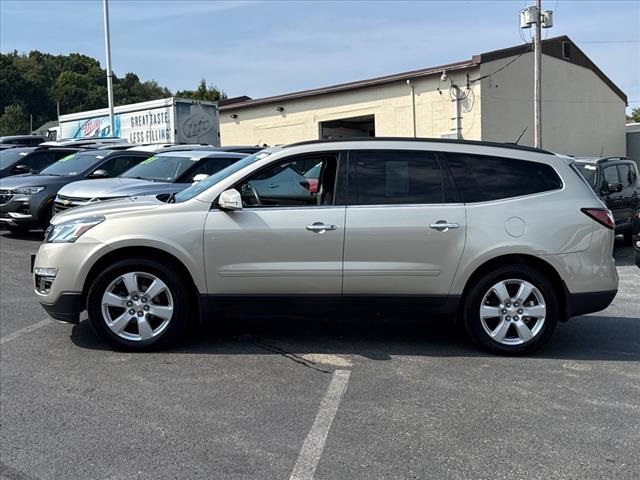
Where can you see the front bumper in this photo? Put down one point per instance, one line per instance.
(66, 308)
(60, 293)
(21, 210)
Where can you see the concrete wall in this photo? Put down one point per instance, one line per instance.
(581, 115)
(390, 104)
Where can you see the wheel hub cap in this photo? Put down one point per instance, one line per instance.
(137, 306)
(513, 312)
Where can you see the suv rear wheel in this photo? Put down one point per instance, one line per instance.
(138, 304)
(513, 310)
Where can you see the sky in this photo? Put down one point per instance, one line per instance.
(263, 48)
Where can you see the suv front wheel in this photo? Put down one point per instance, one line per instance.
(513, 310)
(138, 304)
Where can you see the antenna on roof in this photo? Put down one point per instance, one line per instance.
(602, 151)
(521, 133)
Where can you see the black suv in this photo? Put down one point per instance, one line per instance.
(19, 160)
(616, 181)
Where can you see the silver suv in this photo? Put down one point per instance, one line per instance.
(507, 240)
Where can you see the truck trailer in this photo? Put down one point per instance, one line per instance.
(168, 120)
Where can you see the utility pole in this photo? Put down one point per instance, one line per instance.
(537, 77)
(107, 44)
(529, 16)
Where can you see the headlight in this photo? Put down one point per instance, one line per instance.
(28, 190)
(69, 232)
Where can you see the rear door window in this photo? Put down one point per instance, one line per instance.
(625, 173)
(395, 177)
(610, 174)
(482, 178)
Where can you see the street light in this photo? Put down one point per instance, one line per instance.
(107, 44)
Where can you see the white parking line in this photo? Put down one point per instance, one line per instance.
(313, 445)
(22, 331)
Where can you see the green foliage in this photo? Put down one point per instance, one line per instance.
(34, 82)
(203, 92)
(635, 114)
(14, 121)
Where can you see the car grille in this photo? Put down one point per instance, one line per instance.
(63, 203)
(5, 196)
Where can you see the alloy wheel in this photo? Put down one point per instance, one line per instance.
(137, 306)
(513, 312)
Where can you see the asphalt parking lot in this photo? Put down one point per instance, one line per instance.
(322, 398)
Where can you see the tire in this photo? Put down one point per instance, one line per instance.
(628, 238)
(510, 331)
(45, 216)
(120, 290)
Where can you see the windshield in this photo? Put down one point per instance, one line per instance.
(73, 164)
(163, 168)
(211, 180)
(588, 172)
(11, 156)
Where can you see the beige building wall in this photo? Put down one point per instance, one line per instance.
(581, 115)
(390, 104)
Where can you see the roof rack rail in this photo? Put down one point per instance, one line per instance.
(423, 139)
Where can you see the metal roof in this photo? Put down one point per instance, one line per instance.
(552, 47)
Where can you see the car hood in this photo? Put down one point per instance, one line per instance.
(28, 180)
(118, 187)
(109, 207)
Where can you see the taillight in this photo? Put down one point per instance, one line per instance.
(601, 215)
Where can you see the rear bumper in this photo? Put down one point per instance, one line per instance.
(583, 303)
(66, 309)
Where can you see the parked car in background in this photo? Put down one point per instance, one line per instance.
(164, 173)
(23, 140)
(20, 160)
(511, 238)
(636, 237)
(26, 201)
(616, 181)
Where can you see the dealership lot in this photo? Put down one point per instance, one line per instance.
(354, 398)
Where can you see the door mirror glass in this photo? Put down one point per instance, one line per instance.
(199, 177)
(230, 200)
(100, 173)
(18, 169)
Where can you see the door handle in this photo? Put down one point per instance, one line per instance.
(319, 227)
(443, 226)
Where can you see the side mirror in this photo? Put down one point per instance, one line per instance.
(614, 187)
(19, 169)
(199, 177)
(230, 200)
(100, 173)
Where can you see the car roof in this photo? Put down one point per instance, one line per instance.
(599, 160)
(198, 154)
(512, 146)
(19, 137)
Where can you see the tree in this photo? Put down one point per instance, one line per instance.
(14, 121)
(203, 92)
(635, 114)
(37, 80)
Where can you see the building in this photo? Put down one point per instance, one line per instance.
(488, 97)
(633, 141)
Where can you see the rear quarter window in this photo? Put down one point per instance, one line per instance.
(482, 178)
